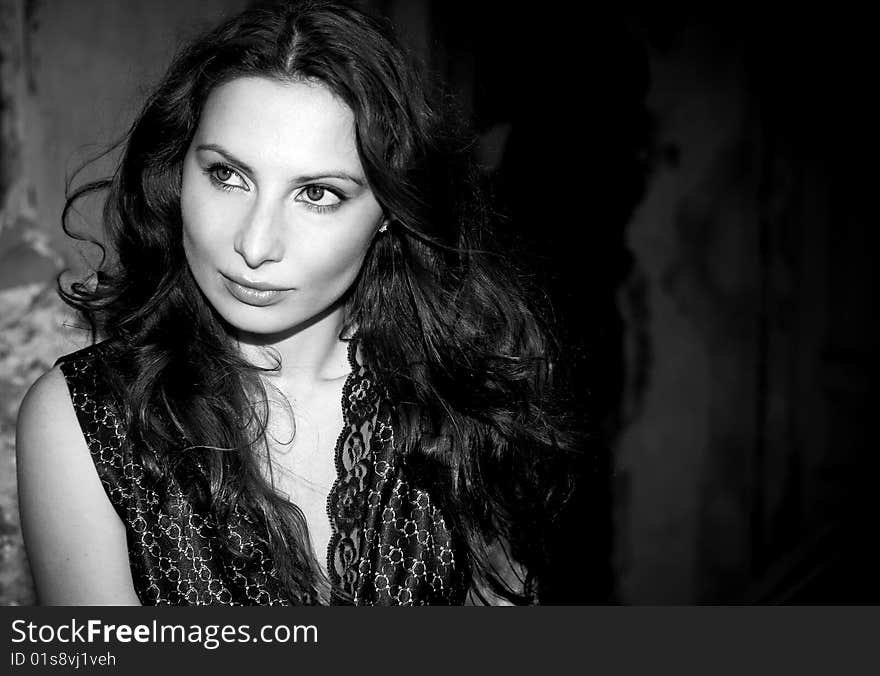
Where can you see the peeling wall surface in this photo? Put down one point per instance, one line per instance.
(750, 320)
(694, 240)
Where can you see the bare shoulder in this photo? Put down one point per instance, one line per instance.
(74, 538)
(48, 439)
(47, 399)
(48, 429)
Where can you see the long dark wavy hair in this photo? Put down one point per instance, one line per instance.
(439, 316)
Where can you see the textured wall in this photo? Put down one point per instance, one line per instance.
(690, 323)
(750, 315)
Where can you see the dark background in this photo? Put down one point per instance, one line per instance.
(692, 188)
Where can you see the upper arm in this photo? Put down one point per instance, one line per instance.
(75, 541)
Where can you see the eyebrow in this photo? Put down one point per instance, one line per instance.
(306, 178)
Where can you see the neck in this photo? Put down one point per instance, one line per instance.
(309, 353)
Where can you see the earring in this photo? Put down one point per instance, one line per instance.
(384, 227)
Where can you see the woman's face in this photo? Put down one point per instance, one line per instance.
(277, 213)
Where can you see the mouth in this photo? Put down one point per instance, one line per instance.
(259, 295)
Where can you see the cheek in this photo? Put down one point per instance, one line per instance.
(195, 245)
(340, 256)
(199, 233)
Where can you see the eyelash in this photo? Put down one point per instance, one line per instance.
(211, 170)
(318, 208)
(321, 208)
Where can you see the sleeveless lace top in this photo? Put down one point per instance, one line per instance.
(389, 544)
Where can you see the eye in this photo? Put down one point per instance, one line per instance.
(318, 197)
(225, 177)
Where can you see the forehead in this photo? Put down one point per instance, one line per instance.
(292, 123)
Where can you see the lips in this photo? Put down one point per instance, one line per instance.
(254, 293)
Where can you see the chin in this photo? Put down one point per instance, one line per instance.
(260, 320)
(275, 320)
(245, 322)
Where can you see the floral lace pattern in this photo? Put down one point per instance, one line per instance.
(390, 544)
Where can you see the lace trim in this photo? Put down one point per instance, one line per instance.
(346, 501)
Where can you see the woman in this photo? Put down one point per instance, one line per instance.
(294, 226)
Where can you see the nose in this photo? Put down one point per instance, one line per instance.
(259, 239)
